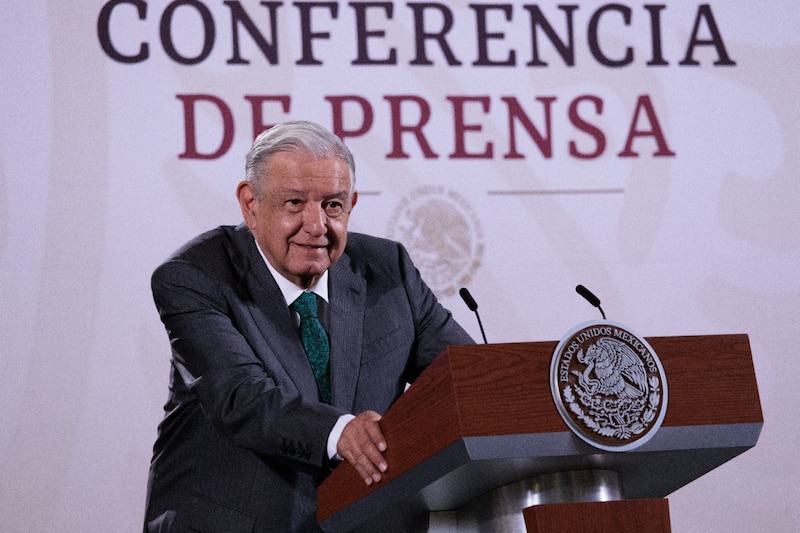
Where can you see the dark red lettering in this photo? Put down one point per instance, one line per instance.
(592, 130)
(257, 105)
(644, 104)
(398, 128)
(517, 114)
(337, 108)
(460, 128)
(190, 102)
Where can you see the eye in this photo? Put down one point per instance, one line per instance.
(294, 205)
(333, 208)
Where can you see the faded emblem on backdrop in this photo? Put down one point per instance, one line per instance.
(608, 385)
(442, 233)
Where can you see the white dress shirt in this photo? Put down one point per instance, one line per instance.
(290, 293)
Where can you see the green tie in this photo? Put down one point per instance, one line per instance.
(315, 341)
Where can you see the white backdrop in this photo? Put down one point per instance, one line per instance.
(692, 230)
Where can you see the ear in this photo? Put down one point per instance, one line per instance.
(248, 202)
(353, 200)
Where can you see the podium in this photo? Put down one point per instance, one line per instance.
(478, 437)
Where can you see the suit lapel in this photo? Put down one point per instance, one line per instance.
(347, 306)
(265, 302)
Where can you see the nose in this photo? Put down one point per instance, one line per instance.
(315, 220)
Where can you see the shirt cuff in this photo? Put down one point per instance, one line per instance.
(335, 435)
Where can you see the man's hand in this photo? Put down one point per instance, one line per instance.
(362, 444)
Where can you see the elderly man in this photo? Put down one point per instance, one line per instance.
(290, 337)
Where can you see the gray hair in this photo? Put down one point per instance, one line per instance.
(298, 136)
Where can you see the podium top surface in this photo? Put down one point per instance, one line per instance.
(482, 416)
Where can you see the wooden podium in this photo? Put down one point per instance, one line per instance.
(481, 418)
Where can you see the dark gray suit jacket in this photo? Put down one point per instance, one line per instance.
(242, 446)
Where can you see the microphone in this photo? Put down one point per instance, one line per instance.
(473, 306)
(591, 298)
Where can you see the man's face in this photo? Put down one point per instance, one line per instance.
(300, 221)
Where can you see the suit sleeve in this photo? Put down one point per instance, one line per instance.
(236, 390)
(434, 325)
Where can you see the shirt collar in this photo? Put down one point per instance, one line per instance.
(291, 291)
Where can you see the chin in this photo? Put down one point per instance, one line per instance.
(313, 270)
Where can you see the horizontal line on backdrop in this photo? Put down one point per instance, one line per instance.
(546, 192)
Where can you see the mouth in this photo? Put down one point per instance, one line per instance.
(311, 247)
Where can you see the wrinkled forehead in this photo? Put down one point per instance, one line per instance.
(267, 169)
(280, 170)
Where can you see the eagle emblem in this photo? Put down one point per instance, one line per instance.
(609, 386)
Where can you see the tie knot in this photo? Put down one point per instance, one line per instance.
(306, 305)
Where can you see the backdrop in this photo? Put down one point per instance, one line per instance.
(647, 151)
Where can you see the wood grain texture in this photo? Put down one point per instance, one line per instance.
(631, 516)
(502, 391)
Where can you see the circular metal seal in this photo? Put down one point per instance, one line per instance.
(608, 385)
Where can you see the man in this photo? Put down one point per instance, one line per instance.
(253, 422)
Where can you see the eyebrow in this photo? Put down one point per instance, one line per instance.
(344, 193)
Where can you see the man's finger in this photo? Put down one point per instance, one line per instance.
(362, 443)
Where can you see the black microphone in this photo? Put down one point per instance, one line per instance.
(473, 306)
(591, 298)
